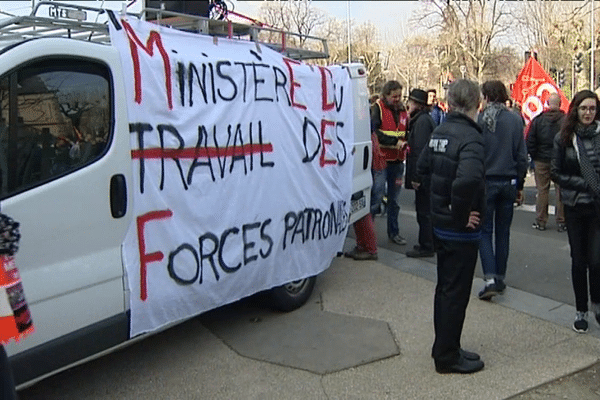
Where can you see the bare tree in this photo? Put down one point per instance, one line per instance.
(467, 30)
(504, 64)
(546, 24)
(296, 16)
(367, 49)
(336, 33)
(410, 62)
(556, 31)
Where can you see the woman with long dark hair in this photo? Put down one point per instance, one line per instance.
(575, 167)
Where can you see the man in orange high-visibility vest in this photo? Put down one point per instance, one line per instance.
(388, 123)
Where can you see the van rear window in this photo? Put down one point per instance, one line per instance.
(55, 118)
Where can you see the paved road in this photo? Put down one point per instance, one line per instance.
(539, 262)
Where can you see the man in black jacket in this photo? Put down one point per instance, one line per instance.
(420, 126)
(454, 161)
(540, 141)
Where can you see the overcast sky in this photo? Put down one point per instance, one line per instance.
(390, 16)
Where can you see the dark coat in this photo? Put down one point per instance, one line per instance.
(454, 160)
(437, 114)
(565, 171)
(505, 150)
(420, 127)
(543, 129)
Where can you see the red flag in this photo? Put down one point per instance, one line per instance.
(532, 88)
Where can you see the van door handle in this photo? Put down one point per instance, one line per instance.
(118, 196)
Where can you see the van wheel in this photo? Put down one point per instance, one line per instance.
(292, 295)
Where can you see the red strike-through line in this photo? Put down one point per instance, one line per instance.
(193, 153)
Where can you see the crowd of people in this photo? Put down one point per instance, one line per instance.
(467, 165)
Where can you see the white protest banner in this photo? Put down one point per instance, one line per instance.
(243, 169)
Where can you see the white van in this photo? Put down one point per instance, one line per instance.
(71, 176)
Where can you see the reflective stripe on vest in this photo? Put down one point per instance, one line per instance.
(390, 128)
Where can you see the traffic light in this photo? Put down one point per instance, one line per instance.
(577, 62)
(553, 74)
(561, 77)
(528, 55)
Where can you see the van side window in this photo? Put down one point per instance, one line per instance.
(55, 117)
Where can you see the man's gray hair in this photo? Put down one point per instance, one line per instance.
(463, 96)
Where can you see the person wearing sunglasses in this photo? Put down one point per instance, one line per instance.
(575, 167)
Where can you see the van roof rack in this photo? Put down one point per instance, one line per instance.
(70, 20)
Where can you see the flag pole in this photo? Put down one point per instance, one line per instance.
(592, 49)
(348, 22)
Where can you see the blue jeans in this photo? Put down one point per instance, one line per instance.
(392, 175)
(501, 195)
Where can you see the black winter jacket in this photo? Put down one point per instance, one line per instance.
(454, 160)
(420, 127)
(565, 171)
(543, 129)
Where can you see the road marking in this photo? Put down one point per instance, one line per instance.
(524, 207)
(531, 208)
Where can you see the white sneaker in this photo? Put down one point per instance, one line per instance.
(398, 240)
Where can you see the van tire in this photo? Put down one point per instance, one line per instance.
(292, 295)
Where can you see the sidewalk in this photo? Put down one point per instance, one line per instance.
(368, 330)
(366, 333)
(524, 340)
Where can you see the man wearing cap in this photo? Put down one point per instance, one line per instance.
(420, 126)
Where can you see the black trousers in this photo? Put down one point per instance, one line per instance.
(423, 209)
(455, 268)
(7, 383)
(583, 229)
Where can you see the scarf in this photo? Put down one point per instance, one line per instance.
(15, 318)
(490, 115)
(587, 146)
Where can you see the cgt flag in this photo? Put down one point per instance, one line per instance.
(532, 88)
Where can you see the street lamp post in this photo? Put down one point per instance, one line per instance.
(592, 50)
(572, 77)
(348, 23)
